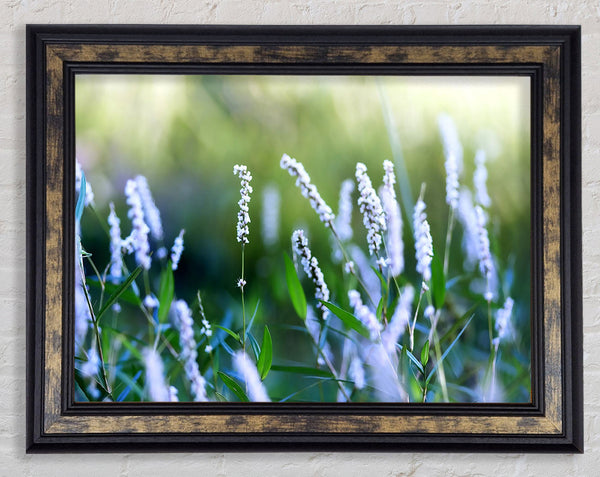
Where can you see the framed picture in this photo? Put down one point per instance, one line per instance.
(270, 238)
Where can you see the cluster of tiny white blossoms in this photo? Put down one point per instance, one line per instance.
(206, 329)
(364, 314)
(453, 155)
(271, 204)
(151, 212)
(247, 369)
(89, 194)
(177, 250)
(308, 190)
(399, 321)
(370, 206)
(486, 264)
(243, 215)
(157, 388)
(479, 180)
(503, 320)
(116, 258)
(184, 322)
(138, 239)
(312, 270)
(423, 241)
(395, 244)
(343, 222)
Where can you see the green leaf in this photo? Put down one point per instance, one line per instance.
(349, 320)
(126, 342)
(253, 344)
(166, 292)
(384, 285)
(80, 199)
(438, 282)
(458, 324)
(124, 286)
(412, 357)
(294, 287)
(379, 312)
(425, 354)
(233, 386)
(128, 295)
(266, 355)
(320, 373)
(447, 351)
(231, 333)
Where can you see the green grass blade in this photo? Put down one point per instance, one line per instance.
(266, 355)
(124, 286)
(233, 386)
(231, 333)
(305, 370)
(448, 349)
(166, 292)
(295, 287)
(438, 282)
(80, 199)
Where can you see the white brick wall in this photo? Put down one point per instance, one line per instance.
(14, 14)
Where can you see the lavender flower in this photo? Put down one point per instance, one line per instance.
(243, 216)
(486, 265)
(395, 245)
(357, 372)
(271, 201)
(308, 190)
(151, 212)
(423, 241)
(468, 219)
(247, 369)
(184, 323)
(151, 302)
(370, 207)
(312, 270)
(429, 312)
(364, 314)
(89, 194)
(138, 239)
(399, 321)
(349, 267)
(479, 180)
(116, 259)
(503, 320)
(83, 318)
(314, 329)
(177, 250)
(453, 154)
(343, 222)
(89, 370)
(157, 388)
(173, 394)
(368, 276)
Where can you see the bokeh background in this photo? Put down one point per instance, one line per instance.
(185, 133)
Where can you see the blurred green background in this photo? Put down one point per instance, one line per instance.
(185, 133)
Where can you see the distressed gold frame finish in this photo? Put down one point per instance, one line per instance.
(552, 420)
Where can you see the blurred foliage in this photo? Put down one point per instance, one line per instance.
(185, 133)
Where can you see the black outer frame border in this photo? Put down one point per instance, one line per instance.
(566, 36)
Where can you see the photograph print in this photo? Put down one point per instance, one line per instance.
(302, 239)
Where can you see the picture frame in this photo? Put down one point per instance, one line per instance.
(548, 55)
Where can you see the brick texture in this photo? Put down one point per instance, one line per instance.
(14, 14)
